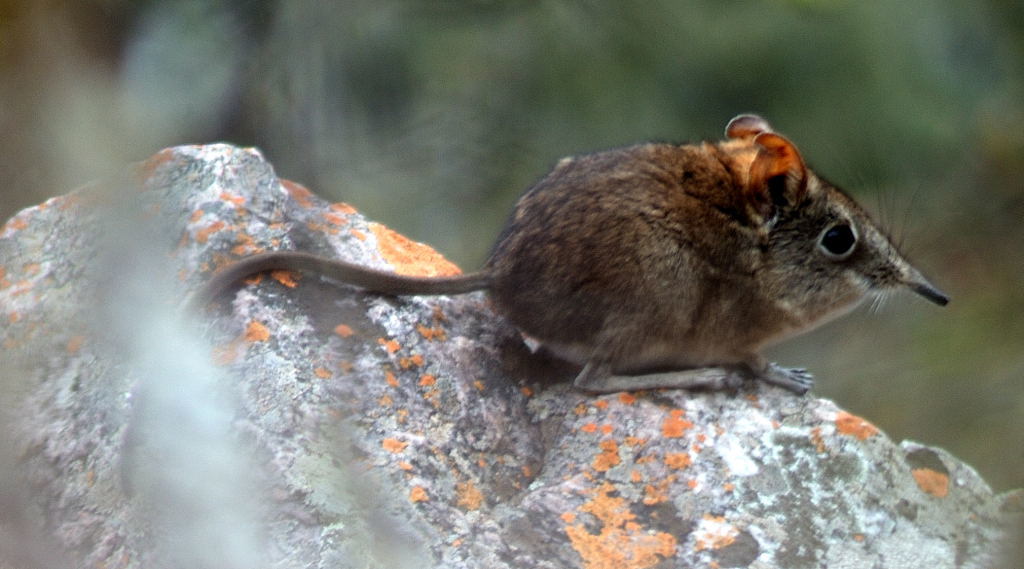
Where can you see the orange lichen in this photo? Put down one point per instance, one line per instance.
(75, 344)
(675, 425)
(14, 317)
(405, 466)
(479, 385)
(343, 330)
(391, 346)
(657, 493)
(645, 459)
(714, 533)
(436, 333)
(358, 234)
(322, 372)
(342, 207)
(427, 380)
(389, 377)
(818, 440)
(334, 219)
(149, 166)
(931, 481)
(233, 198)
(287, 278)
(635, 441)
(22, 287)
(627, 398)
(432, 396)
(607, 429)
(677, 460)
(849, 424)
(245, 245)
(635, 476)
(601, 404)
(526, 390)
(298, 193)
(418, 494)
(385, 401)
(621, 542)
(468, 496)
(16, 224)
(415, 360)
(608, 457)
(409, 257)
(203, 235)
(589, 428)
(568, 517)
(256, 332)
(393, 445)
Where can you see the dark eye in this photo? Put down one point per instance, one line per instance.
(838, 241)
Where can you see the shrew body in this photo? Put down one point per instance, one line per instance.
(657, 257)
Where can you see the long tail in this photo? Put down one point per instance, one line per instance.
(369, 279)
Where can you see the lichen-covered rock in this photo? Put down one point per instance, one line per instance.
(303, 423)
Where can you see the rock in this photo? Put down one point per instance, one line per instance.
(302, 423)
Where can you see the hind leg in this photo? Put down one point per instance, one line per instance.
(598, 378)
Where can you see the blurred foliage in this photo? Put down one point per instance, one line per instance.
(433, 116)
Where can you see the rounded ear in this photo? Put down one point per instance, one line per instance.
(746, 126)
(777, 175)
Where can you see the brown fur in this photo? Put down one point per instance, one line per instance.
(661, 255)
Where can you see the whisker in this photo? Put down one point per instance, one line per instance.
(878, 301)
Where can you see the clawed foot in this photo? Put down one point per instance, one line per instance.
(797, 380)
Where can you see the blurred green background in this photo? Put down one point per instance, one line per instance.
(433, 116)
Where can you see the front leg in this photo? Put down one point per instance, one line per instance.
(597, 377)
(797, 380)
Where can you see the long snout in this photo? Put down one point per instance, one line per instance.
(916, 282)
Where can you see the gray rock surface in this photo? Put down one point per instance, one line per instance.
(302, 423)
